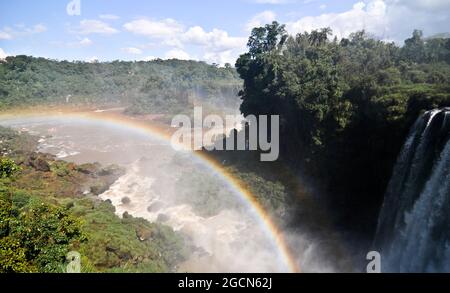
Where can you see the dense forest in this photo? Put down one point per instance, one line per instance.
(345, 106)
(158, 86)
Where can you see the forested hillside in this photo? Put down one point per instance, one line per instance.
(345, 105)
(145, 87)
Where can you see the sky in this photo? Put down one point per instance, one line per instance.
(215, 31)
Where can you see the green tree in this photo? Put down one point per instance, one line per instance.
(8, 168)
(345, 106)
(35, 236)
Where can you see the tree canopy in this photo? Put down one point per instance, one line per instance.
(145, 87)
(345, 105)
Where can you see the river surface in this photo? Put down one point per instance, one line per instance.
(162, 185)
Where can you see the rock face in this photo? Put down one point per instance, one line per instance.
(39, 162)
(155, 207)
(88, 169)
(162, 218)
(143, 234)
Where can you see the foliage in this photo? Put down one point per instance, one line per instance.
(128, 244)
(35, 236)
(345, 106)
(8, 168)
(145, 87)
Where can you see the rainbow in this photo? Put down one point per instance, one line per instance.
(164, 134)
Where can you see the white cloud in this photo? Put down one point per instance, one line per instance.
(109, 16)
(92, 26)
(149, 58)
(157, 29)
(386, 19)
(85, 42)
(38, 28)
(370, 17)
(428, 5)
(431, 16)
(177, 54)
(3, 54)
(215, 40)
(93, 59)
(21, 30)
(220, 57)
(260, 19)
(322, 6)
(81, 42)
(132, 50)
(216, 45)
(5, 36)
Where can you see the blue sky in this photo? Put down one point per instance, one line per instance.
(209, 30)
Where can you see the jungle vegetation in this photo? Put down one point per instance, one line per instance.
(345, 106)
(159, 86)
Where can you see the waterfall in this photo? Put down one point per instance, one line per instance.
(413, 233)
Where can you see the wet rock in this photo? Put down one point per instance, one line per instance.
(126, 215)
(88, 169)
(126, 200)
(39, 164)
(99, 188)
(155, 207)
(162, 218)
(143, 234)
(110, 171)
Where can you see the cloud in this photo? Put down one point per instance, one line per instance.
(85, 42)
(431, 16)
(92, 26)
(5, 36)
(322, 6)
(427, 5)
(21, 30)
(109, 16)
(156, 29)
(215, 40)
(220, 57)
(149, 58)
(216, 44)
(38, 28)
(260, 19)
(81, 42)
(386, 19)
(370, 17)
(132, 50)
(177, 54)
(93, 59)
(3, 54)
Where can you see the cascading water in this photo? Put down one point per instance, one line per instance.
(413, 232)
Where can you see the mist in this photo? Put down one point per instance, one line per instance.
(175, 188)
